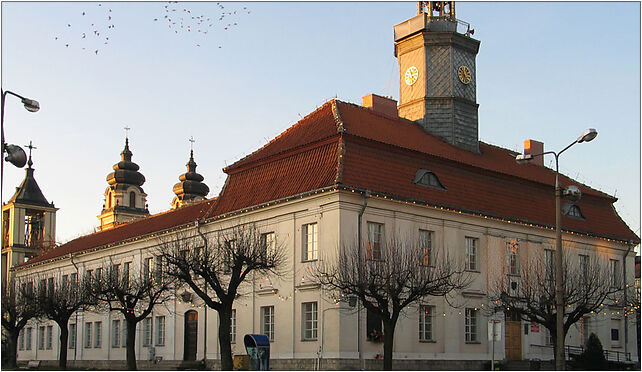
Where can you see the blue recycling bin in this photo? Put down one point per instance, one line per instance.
(258, 351)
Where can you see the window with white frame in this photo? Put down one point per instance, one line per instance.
(471, 253)
(584, 263)
(310, 236)
(88, 335)
(126, 274)
(614, 271)
(426, 316)
(115, 333)
(148, 267)
(268, 244)
(98, 334)
(512, 256)
(309, 312)
(41, 338)
(21, 340)
(471, 325)
(233, 326)
(147, 332)
(267, 323)
(425, 247)
(28, 338)
(160, 330)
(49, 337)
(72, 336)
(158, 268)
(375, 240)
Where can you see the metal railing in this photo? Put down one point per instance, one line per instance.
(610, 355)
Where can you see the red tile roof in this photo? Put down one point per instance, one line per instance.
(346, 145)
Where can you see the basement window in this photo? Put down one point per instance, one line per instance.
(573, 211)
(426, 178)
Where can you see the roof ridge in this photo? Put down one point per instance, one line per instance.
(281, 135)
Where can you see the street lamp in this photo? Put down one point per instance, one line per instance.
(572, 191)
(15, 154)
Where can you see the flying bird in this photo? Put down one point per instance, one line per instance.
(96, 51)
(83, 13)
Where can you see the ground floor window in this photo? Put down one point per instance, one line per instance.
(49, 337)
(147, 332)
(41, 338)
(88, 335)
(267, 325)
(374, 326)
(98, 337)
(309, 311)
(115, 333)
(28, 338)
(160, 330)
(471, 325)
(233, 326)
(425, 322)
(72, 336)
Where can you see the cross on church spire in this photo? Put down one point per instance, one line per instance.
(191, 145)
(30, 146)
(127, 129)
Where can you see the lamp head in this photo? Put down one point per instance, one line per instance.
(587, 136)
(523, 158)
(31, 104)
(572, 193)
(15, 155)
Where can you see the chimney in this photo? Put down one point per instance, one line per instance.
(534, 147)
(384, 105)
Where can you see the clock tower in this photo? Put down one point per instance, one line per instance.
(437, 73)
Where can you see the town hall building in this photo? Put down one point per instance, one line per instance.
(412, 168)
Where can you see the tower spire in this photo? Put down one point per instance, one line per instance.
(191, 189)
(30, 147)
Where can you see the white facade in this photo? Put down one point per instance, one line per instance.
(306, 324)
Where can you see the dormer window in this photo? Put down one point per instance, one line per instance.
(573, 211)
(424, 177)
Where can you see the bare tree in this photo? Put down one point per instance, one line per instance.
(215, 267)
(17, 310)
(57, 299)
(388, 278)
(588, 283)
(132, 292)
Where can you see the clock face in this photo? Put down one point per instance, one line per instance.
(464, 74)
(411, 75)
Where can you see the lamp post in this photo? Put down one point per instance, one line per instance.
(587, 136)
(15, 154)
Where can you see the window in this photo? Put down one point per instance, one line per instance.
(615, 333)
(147, 332)
(512, 256)
(126, 274)
(471, 325)
(584, 329)
(233, 326)
(98, 328)
(425, 246)
(427, 178)
(50, 287)
(41, 338)
(572, 211)
(147, 267)
(268, 243)
(21, 340)
(158, 270)
(425, 322)
(267, 325)
(89, 275)
(132, 199)
(375, 239)
(49, 337)
(549, 265)
(99, 273)
(88, 335)
(72, 336)
(549, 337)
(160, 330)
(310, 250)
(115, 333)
(42, 288)
(28, 341)
(471, 253)
(584, 266)
(614, 266)
(124, 332)
(65, 281)
(309, 311)
(228, 255)
(74, 278)
(114, 275)
(374, 328)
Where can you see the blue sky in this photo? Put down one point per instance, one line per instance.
(545, 71)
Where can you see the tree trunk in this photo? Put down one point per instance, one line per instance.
(388, 343)
(13, 348)
(64, 336)
(131, 342)
(225, 323)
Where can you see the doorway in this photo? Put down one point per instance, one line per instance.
(191, 335)
(513, 336)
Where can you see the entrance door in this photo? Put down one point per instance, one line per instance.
(513, 336)
(191, 335)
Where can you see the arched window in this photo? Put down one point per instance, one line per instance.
(427, 178)
(573, 211)
(132, 199)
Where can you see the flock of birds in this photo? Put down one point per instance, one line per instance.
(92, 32)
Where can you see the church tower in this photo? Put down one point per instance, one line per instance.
(28, 223)
(437, 73)
(125, 199)
(191, 189)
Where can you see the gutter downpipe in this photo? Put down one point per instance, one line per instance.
(626, 328)
(359, 315)
(198, 230)
(71, 258)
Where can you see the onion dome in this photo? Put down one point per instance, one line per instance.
(191, 188)
(126, 171)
